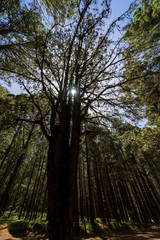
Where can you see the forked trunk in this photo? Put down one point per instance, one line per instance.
(59, 207)
(62, 173)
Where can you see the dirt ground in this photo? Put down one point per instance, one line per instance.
(152, 233)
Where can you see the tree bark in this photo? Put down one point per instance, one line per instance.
(62, 167)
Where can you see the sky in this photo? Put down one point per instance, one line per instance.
(118, 7)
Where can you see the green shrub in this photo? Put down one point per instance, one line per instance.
(115, 225)
(127, 226)
(95, 228)
(99, 220)
(120, 226)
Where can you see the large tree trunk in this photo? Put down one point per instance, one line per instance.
(59, 215)
(62, 173)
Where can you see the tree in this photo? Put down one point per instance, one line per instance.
(18, 21)
(127, 188)
(142, 36)
(118, 175)
(70, 70)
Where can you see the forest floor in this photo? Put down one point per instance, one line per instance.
(151, 233)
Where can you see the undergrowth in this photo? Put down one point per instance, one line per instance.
(116, 226)
(40, 225)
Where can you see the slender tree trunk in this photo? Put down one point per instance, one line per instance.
(101, 212)
(6, 174)
(121, 208)
(26, 192)
(76, 211)
(126, 200)
(91, 206)
(44, 202)
(35, 189)
(81, 199)
(17, 193)
(9, 148)
(135, 212)
(85, 194)
(14, 174)
(38, 202)
(141, 201)
(112, 197)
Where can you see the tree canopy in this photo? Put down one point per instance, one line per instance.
(142, 35)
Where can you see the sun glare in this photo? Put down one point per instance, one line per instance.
(73, 91)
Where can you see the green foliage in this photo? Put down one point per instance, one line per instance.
(60, 9)
(142, 64)
(115, 225)
(18, 21)
(99, 220)
(120, 226)
(22, 226)
(95, 228)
